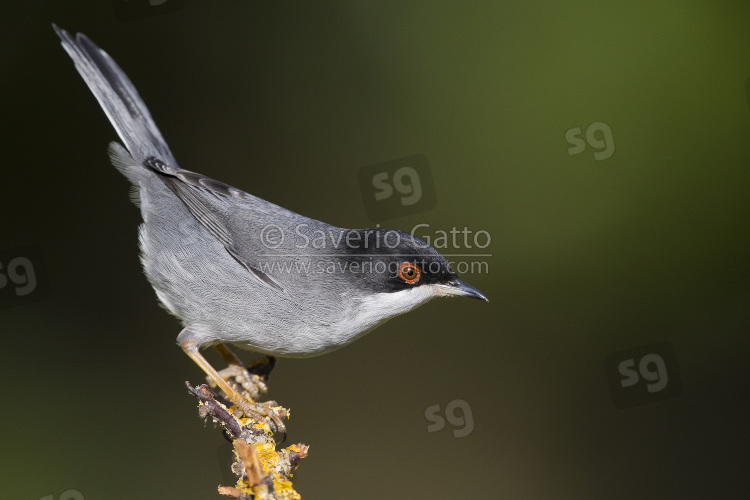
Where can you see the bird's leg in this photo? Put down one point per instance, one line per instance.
(230, 357)
(252, 383)
(259, 411)
(262, 366)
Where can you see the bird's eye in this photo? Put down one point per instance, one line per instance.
(409, 272)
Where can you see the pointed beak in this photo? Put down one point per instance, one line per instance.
(458, 287)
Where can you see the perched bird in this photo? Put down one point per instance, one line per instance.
(236, 269)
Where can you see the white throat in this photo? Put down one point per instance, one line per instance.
(375, 309)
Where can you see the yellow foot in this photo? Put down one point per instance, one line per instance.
(268, 411)
(252, 384)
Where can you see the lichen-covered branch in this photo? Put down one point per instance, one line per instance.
(264, 473)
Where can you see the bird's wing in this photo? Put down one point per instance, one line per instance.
(239, 220)
(233, 217)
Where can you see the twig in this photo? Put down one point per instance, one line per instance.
(209, 406)
(264, 473)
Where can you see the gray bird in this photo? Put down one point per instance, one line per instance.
(236, 269)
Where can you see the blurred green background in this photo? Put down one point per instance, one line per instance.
(288, 101)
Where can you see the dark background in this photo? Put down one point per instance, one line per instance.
(591, 260)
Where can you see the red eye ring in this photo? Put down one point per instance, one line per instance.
(409, 272)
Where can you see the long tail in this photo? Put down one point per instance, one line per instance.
(117, 97)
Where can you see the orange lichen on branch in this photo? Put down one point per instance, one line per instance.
(264, 473)
(266, 469)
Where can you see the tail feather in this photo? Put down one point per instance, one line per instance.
(118, 98)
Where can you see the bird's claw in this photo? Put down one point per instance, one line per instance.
(268, 412)
(253, 385)
(248, 387)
